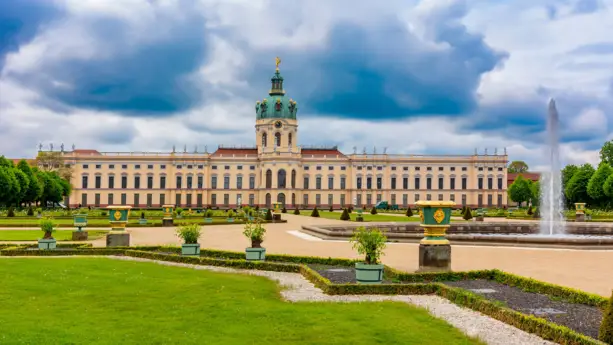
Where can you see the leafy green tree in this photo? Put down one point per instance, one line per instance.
(535, 191)
(52, 190)
(576, 189)
(595, 187)
(23, 182)
(7, 163)
(608, 186)
(520, 190)
(35, 188)
(567, 174)
(606, 153)
(517, 167)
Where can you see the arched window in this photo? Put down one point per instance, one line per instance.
(281, 177)
(281, 199)
(293, 178)
(278, 139)
(289, 139)
(268, 200)
(293, 200)
(264, 139)
(268, 178)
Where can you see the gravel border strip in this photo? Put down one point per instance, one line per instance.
(298, 289)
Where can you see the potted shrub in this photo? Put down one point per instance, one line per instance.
(315, 212)
(296, 211)
(179, 211)
(190, 233)
(468, 214)
(230, 216)
(409, 212)
(208, 216)
(255, 231)
(48, 227)
(10, 212)
(30, 212)
(142, 219)
(373, 210)
(39, 212)
(268, 215)
(345, 215)
(369, 242)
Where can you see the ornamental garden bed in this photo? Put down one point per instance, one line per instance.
(553, 312)
(133, 222)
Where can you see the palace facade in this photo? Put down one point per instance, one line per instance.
(277, 169)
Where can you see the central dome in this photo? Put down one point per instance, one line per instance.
(277, 105)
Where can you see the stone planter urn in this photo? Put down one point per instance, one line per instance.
(118, 217)
(46, 243)
(368, 274)
(190, 249)
(142, 221)
(80, 221)
(230, 220)
(168, 210)
(255, 252)
(579, 212)
(434, 248)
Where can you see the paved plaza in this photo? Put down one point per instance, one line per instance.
(587, 270)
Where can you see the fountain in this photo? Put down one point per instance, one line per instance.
(551, 206)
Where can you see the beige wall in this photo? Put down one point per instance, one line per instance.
(288, 158)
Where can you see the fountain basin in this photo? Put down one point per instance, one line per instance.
(524, 234)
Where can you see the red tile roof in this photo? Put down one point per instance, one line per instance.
(230, 151)
(528, 175)
(322, 152)
(17, 160)
(86, 152)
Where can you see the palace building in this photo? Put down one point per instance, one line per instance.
(278, 169)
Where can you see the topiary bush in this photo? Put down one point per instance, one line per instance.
(331, 209)
(30, 211)
(409, 212)
(468, 214)
(268, 215)
(345, 215)
(283, 210)
(537, 213)
(530, 212)
(315, 212)
(297, 211)
(605, 333)
(11, 212)
(373, 210)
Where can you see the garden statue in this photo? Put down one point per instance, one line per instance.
(355, 150)
(206, 150)
(496, 151)
(184, 148)
(173, 149)
(385, 150)
(486, 151)
(62, 147)
(73, 147)
(195, 148)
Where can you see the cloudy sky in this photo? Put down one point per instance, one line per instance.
(430, 76)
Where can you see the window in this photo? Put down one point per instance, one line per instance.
(227, 167)
(405, 200)
(124, 166)
(162, 182)
(252, 167)
(342, 200)
(124, 182)
(343, 168)
(490, 183)
(359, 168)
(163, 166)
(318, 182)
(84, 182)
(136, 182)
(136, 200)
(137, 166)
(359, 183)
(178, 200)
(405, 183)
(330, 168)
(162, 199)
(201, 167)
(379, 168)
(330, 199)
(289, 139)
(500, 183)
(417, 168)
(490, 169)
(429, 169)
(500, 169)
(98, 166)
(330, 182)
(464, 183)
(480, 169)
(200, 181)
(428, 182)
(305, 200)
(369, 183)
(179, 166)
(480, 201)
(306, 167)
(264, 139)
(213, 182)
(150, 166)
(489, 201)
(293, 178)
(179, 181)
(318, 200)
(251, 199)
(452, 183)
(124, 199)
(368, 168)
(239, 167)
(149, 182)
(463, 199)
(251, 182)
(226, 200)
(213, 199)
(190, 167)
(306, 182)
(405, 168)
(111, 182)
(110, 199)
(214, 167)
(440, 197)
(417, 183)
(268, 178)
(85, 166)
(149, 200)
(440, 168)
(441, 183)
(111, 166)
(368, 199)
(226, 182)
(98, 181)
(428, 197)
(343, 182)
(464, 169)
(278, 139)
(480, 183)
(379, 197)
(188, 201)
(239, 182)
(499, 201)
(318, 168)
(393, 168)
(379, 182)
(452, 168)
(452, 197)
(190, 179)
(281, 178)
(84, 200)
(198, 200)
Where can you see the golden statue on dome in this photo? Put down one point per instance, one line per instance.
(277, 62)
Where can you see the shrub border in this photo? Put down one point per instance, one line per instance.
(420, 283)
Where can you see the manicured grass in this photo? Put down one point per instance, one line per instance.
(366, 215)
(33, 235)
(58, 300)
(68, 222)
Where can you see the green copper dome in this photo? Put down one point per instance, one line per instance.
(277, 105)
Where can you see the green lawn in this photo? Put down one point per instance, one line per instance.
(366, 215)
(103, 301)
(68, 222)
(33, 235)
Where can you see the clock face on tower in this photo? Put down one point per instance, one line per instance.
(278, 124)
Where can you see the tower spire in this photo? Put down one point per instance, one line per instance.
(277, 80)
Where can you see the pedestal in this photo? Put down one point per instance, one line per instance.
(580, 217)
(79, 235)
(434, 258)
(118, 239)
(167, 222)
(479, 218)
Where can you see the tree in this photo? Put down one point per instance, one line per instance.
(517, 167)
(315, 212)
(345, 215)
(567, 174)
(409, 212)
(606, 153)
(535, 191)
(608, 186)
(576, 189)
(35, 188)
(468, 213)
(520, 190)
(595, 187)
(7, 163)
(53, 161)
(23, 182)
